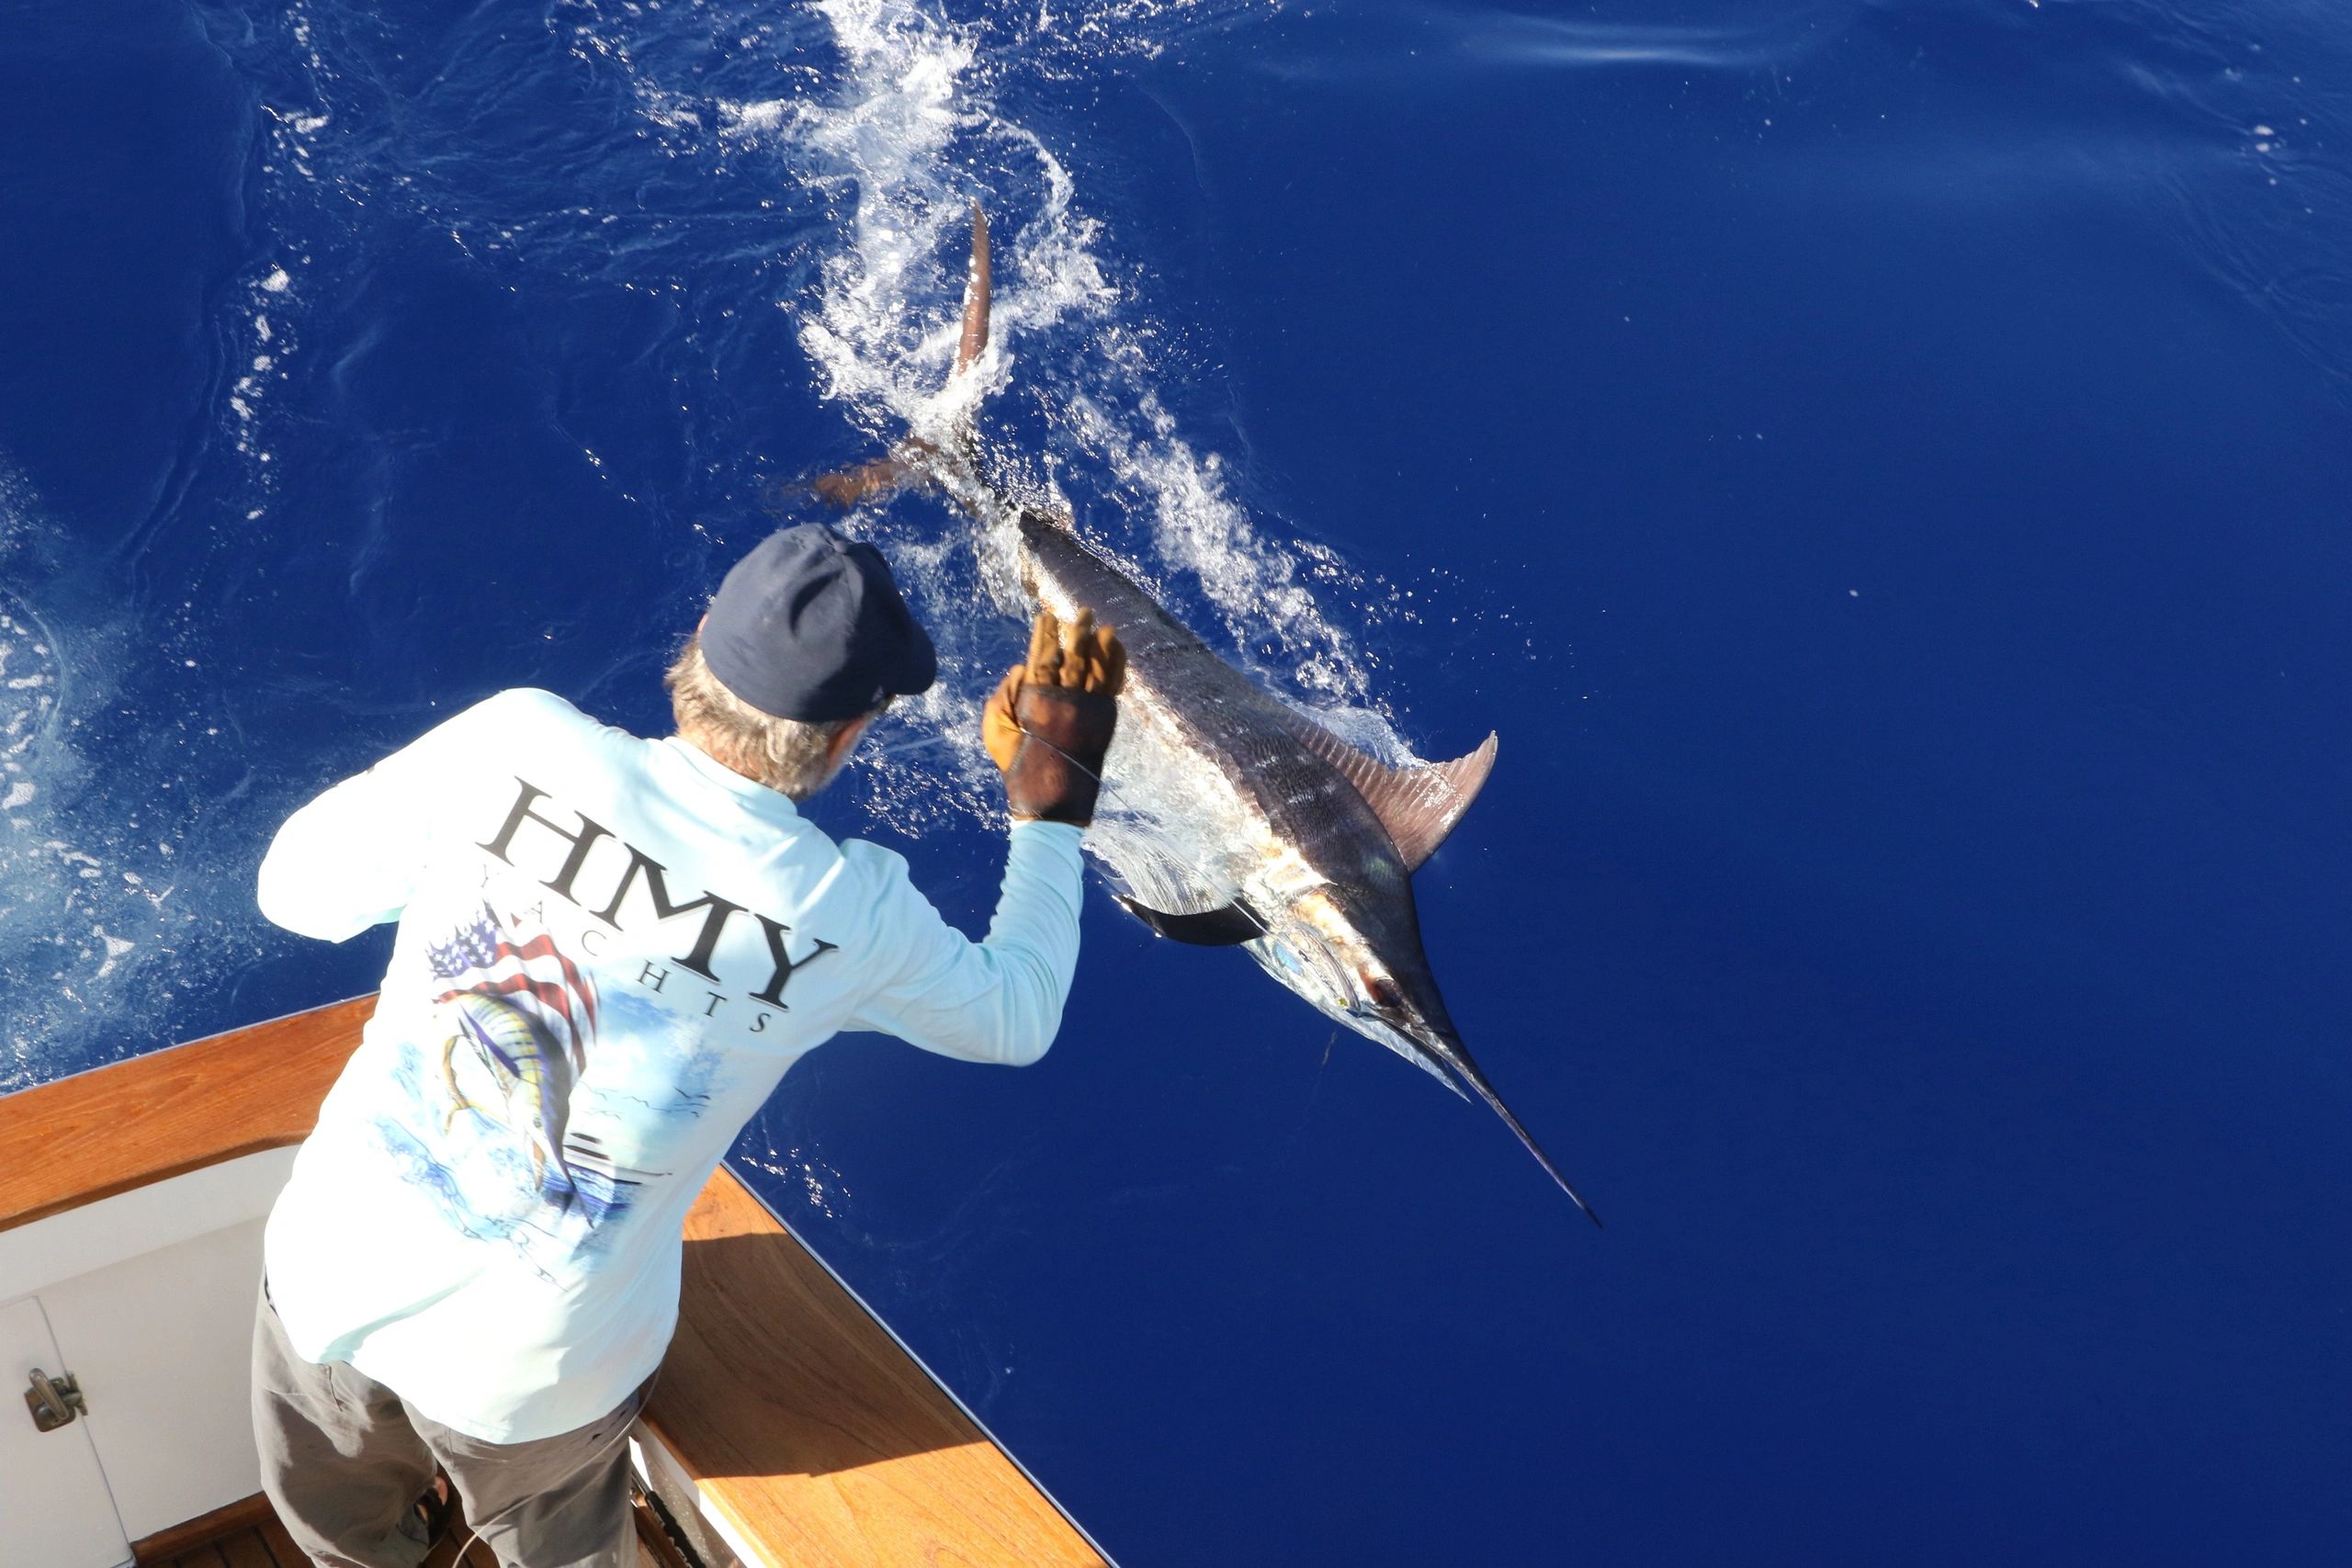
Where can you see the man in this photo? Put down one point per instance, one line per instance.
(610, 949)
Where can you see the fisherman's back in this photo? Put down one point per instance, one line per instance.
(610, 949)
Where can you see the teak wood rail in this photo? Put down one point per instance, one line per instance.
(808, 1429)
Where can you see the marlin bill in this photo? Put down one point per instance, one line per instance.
(1239, 820)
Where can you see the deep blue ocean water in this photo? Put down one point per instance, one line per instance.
(1882, 467)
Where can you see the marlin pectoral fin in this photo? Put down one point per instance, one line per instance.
(1229, 926)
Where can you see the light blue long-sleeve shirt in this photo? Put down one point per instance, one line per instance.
(610, 949)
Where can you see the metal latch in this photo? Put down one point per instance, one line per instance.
(54, 1402)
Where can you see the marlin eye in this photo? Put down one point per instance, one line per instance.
(1380, 994)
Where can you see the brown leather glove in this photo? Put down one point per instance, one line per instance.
(1051, 718)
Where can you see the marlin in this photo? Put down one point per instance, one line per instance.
(1297, 847)
(528, 1027)
(534, 1075)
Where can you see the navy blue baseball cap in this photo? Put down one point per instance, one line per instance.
(809, 625)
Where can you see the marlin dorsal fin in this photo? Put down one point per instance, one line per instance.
(1418, 805)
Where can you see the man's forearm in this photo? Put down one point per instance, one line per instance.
(1033, 937)
(324, 876)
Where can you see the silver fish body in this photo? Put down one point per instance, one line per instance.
(1267, 820)
(1267, 829)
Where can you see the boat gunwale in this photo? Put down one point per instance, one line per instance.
(901, 1470)
(127, 1124)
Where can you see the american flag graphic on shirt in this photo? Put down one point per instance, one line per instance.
(521, 1027)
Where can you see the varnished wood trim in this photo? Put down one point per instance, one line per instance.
(100, 1133)
(803, 1423)
(813, 1433)
(246, 1513)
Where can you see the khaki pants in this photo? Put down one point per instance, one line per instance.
(343, 1457)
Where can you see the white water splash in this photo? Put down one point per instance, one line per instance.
(902, 145)
(91, 935)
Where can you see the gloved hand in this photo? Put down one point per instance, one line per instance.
(1051, 718)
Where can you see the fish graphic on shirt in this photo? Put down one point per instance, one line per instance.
(527, 1014)
(533, 1072)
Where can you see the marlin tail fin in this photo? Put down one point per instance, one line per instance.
(913, 460)
(977, 286)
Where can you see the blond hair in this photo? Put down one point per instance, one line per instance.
(788, 755)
